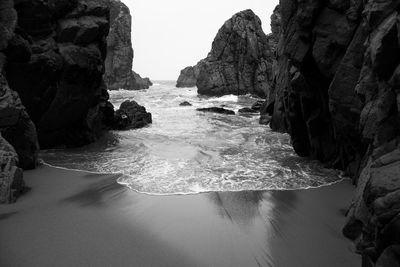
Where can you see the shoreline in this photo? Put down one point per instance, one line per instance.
(342, 179)
(76, 218)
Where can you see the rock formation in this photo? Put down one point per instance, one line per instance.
(239, 62)
(336, 92)
(11, 182)
(189, 76)
(273, 37)
(218, 110)
(119, 74)
(131, 115)
(55, 61)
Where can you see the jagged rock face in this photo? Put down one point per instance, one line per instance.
(55, 62)
(15, 124)
(119, 74)
(239, 61)
(335, 90)
(189, 76)
(11, 182)
(273, 37)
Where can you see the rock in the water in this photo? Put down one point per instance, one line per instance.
(217, 110)
(240, 60)
(265, 119)
(185, 104)
(257, 105)
(247, 110)
(11, 180)
(131, 115)
(118, 72)
(189, 76)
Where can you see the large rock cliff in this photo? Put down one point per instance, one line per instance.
(119, 74)
(239, 62)
(55, 61)
(336, 91)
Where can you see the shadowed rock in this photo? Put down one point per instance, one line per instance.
(335, 91)
(217, 110)
(11, 182)
(185, 103)
(131, 115)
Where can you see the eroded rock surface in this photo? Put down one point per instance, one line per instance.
(131, 115)
(239, 62)
(11, 182)
(118, 73)
(15, 124)
(55, 61)
(189, 76)
(336, 92)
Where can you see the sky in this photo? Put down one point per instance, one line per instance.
(168, 36)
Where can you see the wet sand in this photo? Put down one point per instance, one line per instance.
(72, 218)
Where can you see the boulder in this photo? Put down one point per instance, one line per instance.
(131, 115)
(185, 104)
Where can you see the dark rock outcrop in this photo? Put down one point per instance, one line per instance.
(185, 104)
(59, 48)
(217, 110)
(273, 37)
(11, 182)
(248, 110)
(118, 73)
(15, 124)
(131, 115)
(240, 60)
(336, 92)
(189, 76)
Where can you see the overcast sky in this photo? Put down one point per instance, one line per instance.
(170, 35)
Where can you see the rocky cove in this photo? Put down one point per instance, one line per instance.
(329, 74)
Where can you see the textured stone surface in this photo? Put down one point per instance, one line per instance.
(189, 76)
(15, 124)
(62, 88)
(335, 90)
(240, 59)
(11, 182)
(131, 115)
(119, 74)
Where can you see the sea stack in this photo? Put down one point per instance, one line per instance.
(239, 62)
(336, 92)
(118, 67)
(189, 76)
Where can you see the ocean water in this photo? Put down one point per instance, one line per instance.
(186, 151)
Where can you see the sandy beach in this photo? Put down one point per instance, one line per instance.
(72, 218)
